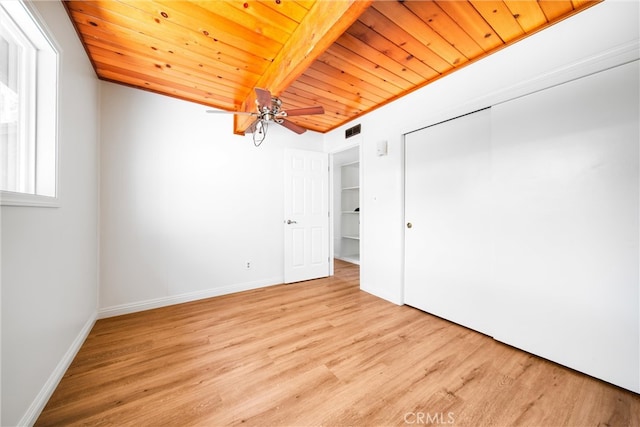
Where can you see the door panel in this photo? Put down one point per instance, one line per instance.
(565, 173)
(306, 222)
(447, 202)
(532, 236)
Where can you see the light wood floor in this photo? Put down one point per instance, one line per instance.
(318, 353)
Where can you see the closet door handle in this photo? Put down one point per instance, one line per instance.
(409, 225)
(291, 222)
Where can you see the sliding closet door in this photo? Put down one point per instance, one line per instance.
(565, 173)
(448, 228)
(525, 223)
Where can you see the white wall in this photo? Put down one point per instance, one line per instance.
(185, 202)
(565, 51)
(49, 255)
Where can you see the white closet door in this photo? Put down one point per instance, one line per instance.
(447, 203)
(565, 173)
(526, 223)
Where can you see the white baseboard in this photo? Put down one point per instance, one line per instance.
(36, 407)
(384, 295)
(135, 307)
(348, 259)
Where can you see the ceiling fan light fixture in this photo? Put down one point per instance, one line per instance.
(269, 109)
(260, 132)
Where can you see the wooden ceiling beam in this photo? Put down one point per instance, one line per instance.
(322, 25)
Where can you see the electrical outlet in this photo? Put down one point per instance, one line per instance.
(248, 265)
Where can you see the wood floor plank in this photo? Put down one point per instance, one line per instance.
(320, 352)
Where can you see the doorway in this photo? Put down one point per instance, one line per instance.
(346, 201)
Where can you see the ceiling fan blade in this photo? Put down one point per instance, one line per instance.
(240, 113)
(292, 126)
(264, 97)
(305, 111)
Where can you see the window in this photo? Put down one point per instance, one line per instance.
(28, 107)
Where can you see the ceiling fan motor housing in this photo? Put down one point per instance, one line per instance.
(269, 109)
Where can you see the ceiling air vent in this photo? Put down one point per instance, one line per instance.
(352, 131)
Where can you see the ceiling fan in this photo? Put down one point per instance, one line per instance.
(269, 109)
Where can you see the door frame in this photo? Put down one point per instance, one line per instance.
(356, 143)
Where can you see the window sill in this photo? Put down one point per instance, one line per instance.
(8, 198)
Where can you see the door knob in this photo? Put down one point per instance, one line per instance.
(291, 222)
(409, 225)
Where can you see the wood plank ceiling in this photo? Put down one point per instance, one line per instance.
(350, 56)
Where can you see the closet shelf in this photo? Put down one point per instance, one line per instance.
(347, 202)
(351, 237)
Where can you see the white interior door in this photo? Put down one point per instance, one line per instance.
(306, 210)
(447, 211)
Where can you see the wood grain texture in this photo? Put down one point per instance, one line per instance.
(216, 52)
(317, 353)
(319, 28)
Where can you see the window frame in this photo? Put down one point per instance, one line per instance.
(44, 109)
